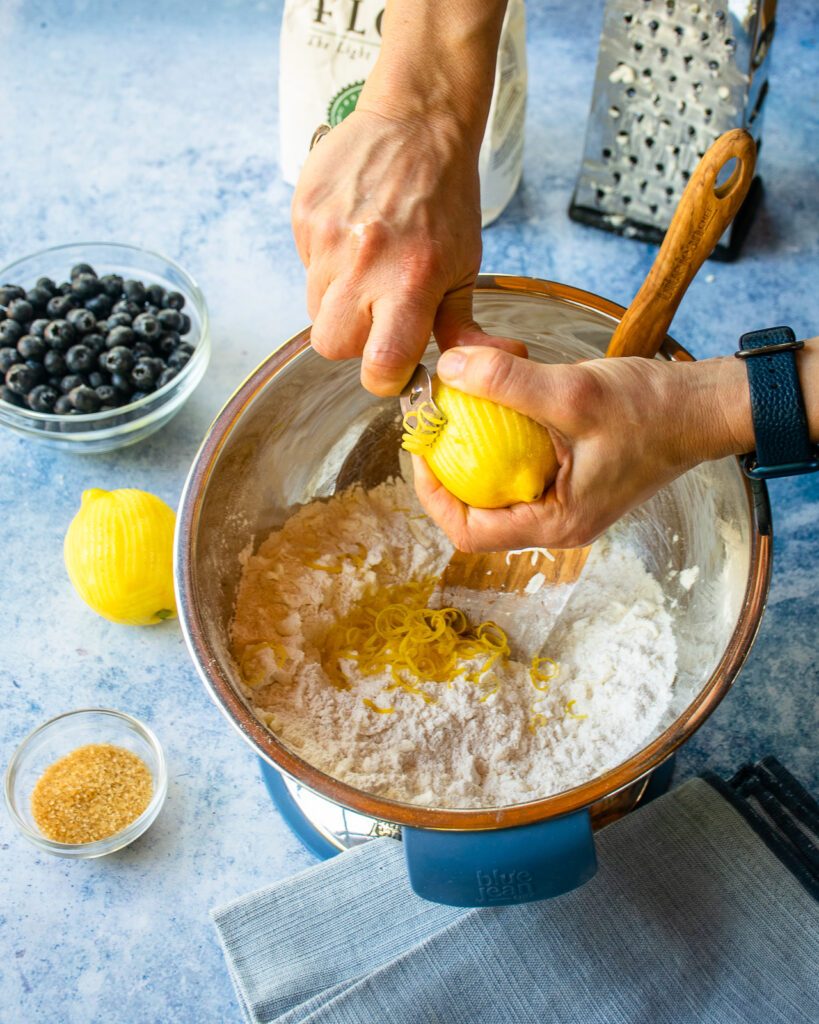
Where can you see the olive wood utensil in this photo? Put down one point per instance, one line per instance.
(493, 585)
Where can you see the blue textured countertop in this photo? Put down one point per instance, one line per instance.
(155, 124)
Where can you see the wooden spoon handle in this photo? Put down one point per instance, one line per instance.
(704, 212)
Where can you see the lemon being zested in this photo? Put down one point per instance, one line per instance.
(119, 556)
(486, 454)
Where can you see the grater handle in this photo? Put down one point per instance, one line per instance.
(704, 212)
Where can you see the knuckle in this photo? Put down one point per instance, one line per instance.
(421, 270)
(463, 540)
(494, 371)
(583, 390)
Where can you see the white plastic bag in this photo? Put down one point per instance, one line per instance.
(327, 50)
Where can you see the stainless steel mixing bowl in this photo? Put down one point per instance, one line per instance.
(280, 440)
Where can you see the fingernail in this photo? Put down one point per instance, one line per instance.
(451, 365)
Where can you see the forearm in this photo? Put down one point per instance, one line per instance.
(437, 62)
(715, 411)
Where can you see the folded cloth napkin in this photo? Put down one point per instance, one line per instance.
(704, 909)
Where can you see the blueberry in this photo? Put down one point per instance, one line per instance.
(95, 342)
(111, 285)
(82, 268)
(97, 379)
(103, 327)
(82, 320)
(85, 286)
(8, 357)
(143, 350)
(166, 376)
(38, 297)
(134, 291)
(174, 300)
(7, 395)
(79, 359)
(71, 381)
(54, 363)
(20, 310)
(179, 357)
(118, 360)
(37, 369)
(186, 324)
(99, 305)
(42, 398)
(126, 306)
(10, 332)
(59, 306)
(122, 383)
(144, 374)
(147, 326)
(63, 405)
(64, 288)
(108, 395)
(47, 284)
(84, 399)
(120, 336)
(37, 327)
(149, 307)
(170, 319)
(31, 347)
(119, 320)
(2, 314)
(167, 343)
(10, 292)
(21, 378)
(60, 335)
(155, 294)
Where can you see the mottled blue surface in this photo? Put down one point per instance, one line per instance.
(155, 124)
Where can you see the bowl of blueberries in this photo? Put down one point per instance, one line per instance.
(100, 344)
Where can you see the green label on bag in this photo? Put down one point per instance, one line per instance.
(343, 103)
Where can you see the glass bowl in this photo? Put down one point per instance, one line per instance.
(114, 428)
(58, 737)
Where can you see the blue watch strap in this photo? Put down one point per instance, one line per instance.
(783, 445)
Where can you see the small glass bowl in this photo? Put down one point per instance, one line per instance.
(58, 737)
(114, 428)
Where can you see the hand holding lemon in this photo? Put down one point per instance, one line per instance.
(618, 430)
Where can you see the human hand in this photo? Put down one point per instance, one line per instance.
(387, 220)
(621, 428)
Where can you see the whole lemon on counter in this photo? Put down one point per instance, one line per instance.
(119, 555)
(486, 454)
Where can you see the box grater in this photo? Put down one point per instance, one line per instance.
(671, 76)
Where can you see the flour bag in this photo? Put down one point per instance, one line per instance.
(327, 50)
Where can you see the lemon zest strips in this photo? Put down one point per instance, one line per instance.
(250, 654)
(572, 714)
(422, 426)
(394, 630)
(358, 558)
(540, 679)
(374, 707)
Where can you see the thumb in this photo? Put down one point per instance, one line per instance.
(455, 325)
(501, 377)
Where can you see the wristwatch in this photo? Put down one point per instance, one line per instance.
(783, 445)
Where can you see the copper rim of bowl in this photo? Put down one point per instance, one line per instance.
(276, 753)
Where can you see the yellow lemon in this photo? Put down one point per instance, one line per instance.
(486, 454)
(119, 555)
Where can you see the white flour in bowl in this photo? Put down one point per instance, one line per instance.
(614, 646)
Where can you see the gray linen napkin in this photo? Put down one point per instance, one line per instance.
(691, 918)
